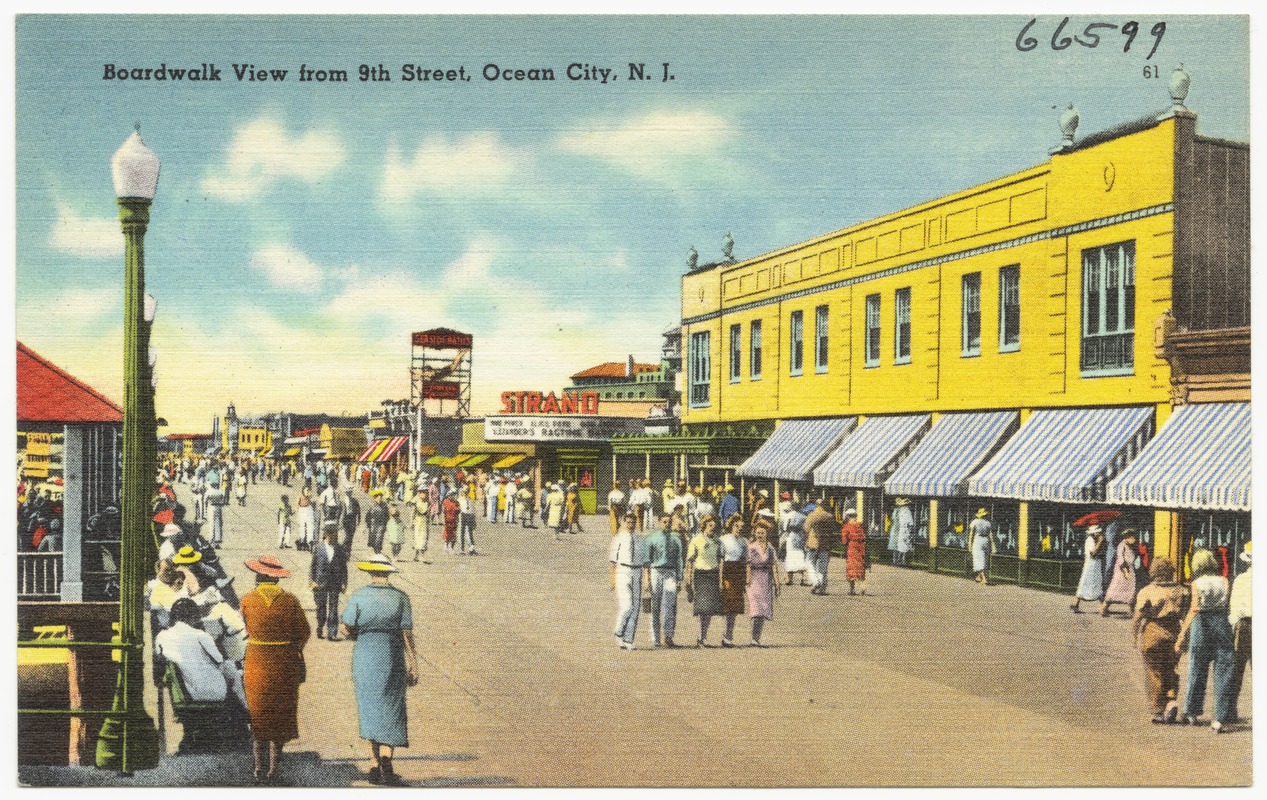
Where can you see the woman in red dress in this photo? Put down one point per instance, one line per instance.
(451, 509)
(855, 541)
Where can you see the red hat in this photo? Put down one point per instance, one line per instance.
(165, 516)
(785, 496)
(268, 565)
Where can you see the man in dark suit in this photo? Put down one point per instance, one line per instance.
(328, 572)
(351, 517)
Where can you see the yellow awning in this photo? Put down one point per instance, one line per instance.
(294, 451)
(508, 461)
(473, 460)
(437, 460)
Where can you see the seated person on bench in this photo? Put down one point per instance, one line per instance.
(194, 653)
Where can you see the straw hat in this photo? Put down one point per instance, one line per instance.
(268, 565)
(982, 513)
(1245, 553)
(851, 512)
(187, 555)
(170, 529)
(668, 481)
(376, 563)
(902, 501)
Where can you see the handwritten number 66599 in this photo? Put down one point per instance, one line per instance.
(1059, 41)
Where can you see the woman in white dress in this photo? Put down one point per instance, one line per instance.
(792, 536)
(1091, 584)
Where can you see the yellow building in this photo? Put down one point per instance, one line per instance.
(254, 439)
(1003, 316)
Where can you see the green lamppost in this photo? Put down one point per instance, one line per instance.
(129, 740)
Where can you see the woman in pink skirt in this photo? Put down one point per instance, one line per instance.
(763, 585)
(1122, 585)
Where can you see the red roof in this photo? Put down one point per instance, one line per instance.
(614, 369)
(47, 394)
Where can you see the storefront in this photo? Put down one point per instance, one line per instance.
(786, 461)
(1198, 468)
(702, 455)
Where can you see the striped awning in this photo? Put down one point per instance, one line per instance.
(795, 448)
(449, 463)
(508, 461)
(389, 449)
(1200, 459)
(868, 455)
(473, 460)
(1065, 454)
(954, 448)
(436, 461)
(367, 454)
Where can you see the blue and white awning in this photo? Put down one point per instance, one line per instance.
(956, 446)
(1065, 455)
(1201, 459)
(795, 448)
(867, 456)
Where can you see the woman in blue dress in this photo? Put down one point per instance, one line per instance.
(384, 663)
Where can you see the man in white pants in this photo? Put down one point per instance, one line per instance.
(627, 554)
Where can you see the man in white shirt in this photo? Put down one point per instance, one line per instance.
(1240, 607)
(194, 653)
(616, 506)
(628, 554)
(466, 520)
(490, 497)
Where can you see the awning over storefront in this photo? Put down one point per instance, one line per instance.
(1065, 454)
(449, 463)
(796, 447)
(389, 449)
(436, 461)
(508, 461)
(954, 448)
(473, 460)
(1200, 460)
(866, 456)
(375, 447)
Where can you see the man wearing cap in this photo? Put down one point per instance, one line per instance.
(384, 662)
(616, 506)
(351, 517)
(820, 535)
(627, 554)
(376, 519)
(665, 563)
(217, 499)
(328, 572)
(640, 501)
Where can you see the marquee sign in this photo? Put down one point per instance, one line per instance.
(442, 338)
(538, 403)
(558, 429)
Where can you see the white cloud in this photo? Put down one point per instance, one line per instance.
(477, 162)
(287, 267)
(90, 237)
(263, 152)
(659, 146)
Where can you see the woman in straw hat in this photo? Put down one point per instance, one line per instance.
(384, 663)
(277, 631)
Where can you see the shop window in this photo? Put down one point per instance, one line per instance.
(820, 339)
(872, 344)
(735, 353)
(1010, 309)
(1052, 534)
(754, 350)
(902, 326)
(1004, 517)
(971, 302)
(797, 340)
(1223, 533)
(1108, 310)
(699, 369)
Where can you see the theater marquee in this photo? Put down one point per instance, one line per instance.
(558, 429)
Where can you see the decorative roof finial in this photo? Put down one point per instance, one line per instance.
(1068, 127)
(1179, 83)
(692, 258)
(728, 247)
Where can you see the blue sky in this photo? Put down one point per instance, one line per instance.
(301, 230)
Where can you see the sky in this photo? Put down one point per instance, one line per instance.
(302, 230)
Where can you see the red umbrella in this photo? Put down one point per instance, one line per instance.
(1096, 518)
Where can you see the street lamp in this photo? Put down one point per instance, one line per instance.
(128, 739)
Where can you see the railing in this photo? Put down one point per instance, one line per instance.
(40, 576)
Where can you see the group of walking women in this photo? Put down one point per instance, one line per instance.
(384, 662)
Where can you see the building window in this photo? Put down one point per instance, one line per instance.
(797, 338)
(754, 350)
(820, 339)
(902, 326)
(872, 343)
(736, 353)
(1010, 309)
(1108, 309)
(699, 371)
(971, 340)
